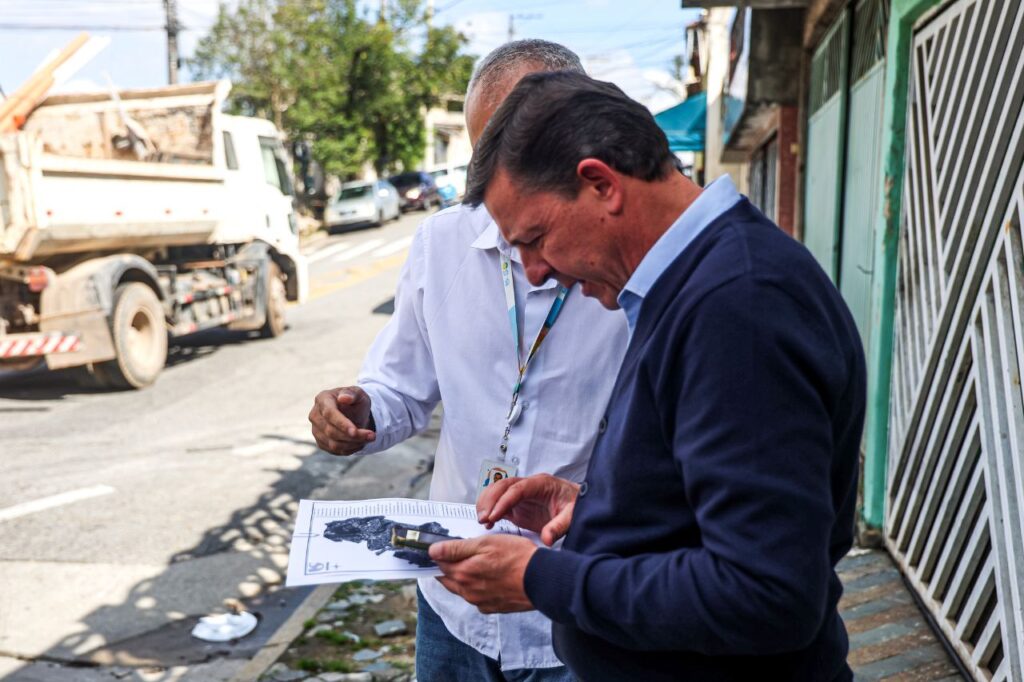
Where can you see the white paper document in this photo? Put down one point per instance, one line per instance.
(335, 542)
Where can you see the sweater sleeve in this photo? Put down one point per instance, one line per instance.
(744, 397)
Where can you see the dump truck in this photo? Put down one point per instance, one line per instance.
(128, 218)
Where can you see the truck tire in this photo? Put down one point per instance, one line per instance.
(277, 301)
(140, 339)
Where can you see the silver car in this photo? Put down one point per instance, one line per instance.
(362, 203)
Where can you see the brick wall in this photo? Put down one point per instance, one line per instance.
(786, 174)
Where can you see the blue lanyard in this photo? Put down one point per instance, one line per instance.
(549, 322)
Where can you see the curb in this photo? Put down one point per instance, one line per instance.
(292, 627)
(287, 633)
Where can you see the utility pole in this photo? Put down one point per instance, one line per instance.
(512, 23)
(171, 12)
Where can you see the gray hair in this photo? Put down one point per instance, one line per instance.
(492, 69)
(553, 120)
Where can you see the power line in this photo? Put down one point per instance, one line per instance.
(82, 27)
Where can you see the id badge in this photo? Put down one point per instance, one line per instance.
(492, 471)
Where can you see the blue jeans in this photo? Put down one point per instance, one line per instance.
(440, 657)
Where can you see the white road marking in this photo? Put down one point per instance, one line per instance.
(59, 500)
(328, 251)
(393, 247)
(359, 250)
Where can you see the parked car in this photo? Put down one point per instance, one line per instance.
(416, 190)
(447, 186)
(363, 202)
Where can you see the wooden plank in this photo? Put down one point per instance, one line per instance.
(26, 97)
(205, 88)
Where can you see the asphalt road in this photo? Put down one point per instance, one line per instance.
(126, 515)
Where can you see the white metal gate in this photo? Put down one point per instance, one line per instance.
(955, 496)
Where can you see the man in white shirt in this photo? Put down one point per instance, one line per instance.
(451, 340)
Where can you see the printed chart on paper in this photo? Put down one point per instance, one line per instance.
(337, 541)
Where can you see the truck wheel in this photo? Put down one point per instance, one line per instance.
(140, 339)
(277, 301)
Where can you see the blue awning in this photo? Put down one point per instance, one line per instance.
(684, 124)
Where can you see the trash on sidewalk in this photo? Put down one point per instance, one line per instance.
(224, 627)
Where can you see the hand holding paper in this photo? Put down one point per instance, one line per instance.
(486, 571)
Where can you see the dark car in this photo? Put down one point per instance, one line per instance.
(416, 189)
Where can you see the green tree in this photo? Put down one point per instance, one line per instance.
(357, 85)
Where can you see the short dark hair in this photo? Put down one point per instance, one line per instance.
(553, 120)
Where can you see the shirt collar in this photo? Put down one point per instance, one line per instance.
(716, 199)
(491, 238)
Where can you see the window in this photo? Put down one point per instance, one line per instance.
(274, 169)
(763, 165)
(355, 192)
(229, 152)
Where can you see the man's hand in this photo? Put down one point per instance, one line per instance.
(541, 503)
(341, 419)
(488, 571)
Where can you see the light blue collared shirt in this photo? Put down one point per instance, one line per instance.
(716, 199)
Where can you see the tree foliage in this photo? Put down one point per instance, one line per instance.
(355, 84)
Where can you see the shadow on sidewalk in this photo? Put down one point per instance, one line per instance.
(244, 558)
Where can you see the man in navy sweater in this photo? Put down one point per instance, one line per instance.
(720, 496)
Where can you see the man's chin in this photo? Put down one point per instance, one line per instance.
(606, 297)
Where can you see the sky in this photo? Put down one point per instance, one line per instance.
(629, 43)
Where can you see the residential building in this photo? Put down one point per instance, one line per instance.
(904, 121)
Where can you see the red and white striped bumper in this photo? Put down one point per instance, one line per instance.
(27, 345)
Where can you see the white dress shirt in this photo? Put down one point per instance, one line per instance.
(450, 340)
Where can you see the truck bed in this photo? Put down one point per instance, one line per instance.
(69, 182)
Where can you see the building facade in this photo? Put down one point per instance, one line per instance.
(908, 183)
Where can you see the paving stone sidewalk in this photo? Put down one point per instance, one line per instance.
(889, 636)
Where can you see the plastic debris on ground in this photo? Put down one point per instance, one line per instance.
(224, 627)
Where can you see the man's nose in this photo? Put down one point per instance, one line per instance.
(536, 268)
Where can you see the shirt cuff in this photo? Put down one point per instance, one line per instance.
(381, 423)
(551, 580)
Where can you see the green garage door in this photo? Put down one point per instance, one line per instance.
(824, 169)
(862, 182)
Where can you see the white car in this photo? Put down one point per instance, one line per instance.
(362, 203)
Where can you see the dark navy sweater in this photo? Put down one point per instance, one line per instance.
(721, 493)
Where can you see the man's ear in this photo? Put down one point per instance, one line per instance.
(601, 182)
